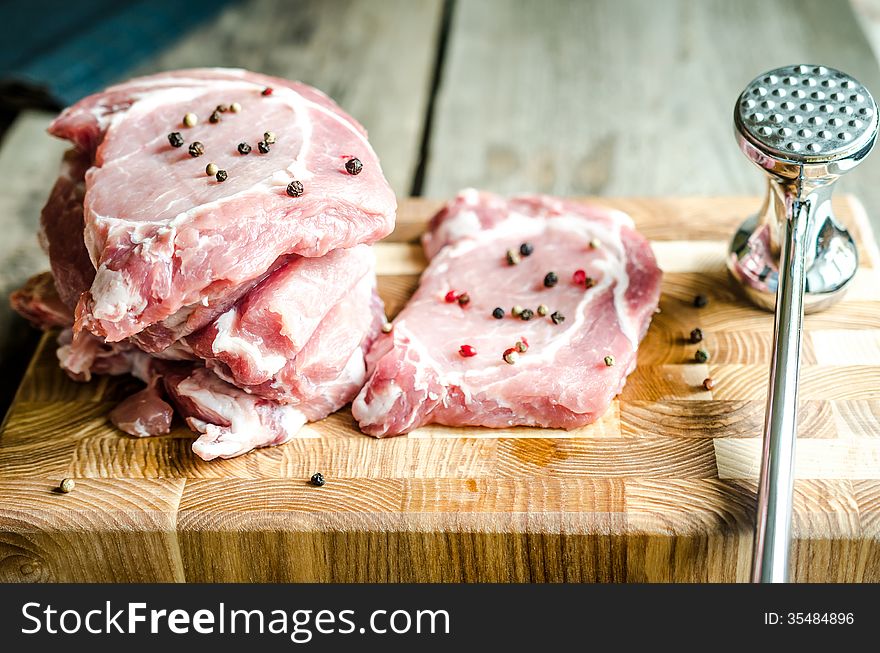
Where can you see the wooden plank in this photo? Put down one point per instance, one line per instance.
(660, 489)
(623, 98)
(374, 58)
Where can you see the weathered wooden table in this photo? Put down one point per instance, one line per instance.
(565, 97)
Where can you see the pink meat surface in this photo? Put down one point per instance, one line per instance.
(417, 374)
(164, 237)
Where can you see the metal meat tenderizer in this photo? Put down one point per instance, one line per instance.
(805, 126)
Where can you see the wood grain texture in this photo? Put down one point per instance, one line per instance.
(662, 488)
(623, 97)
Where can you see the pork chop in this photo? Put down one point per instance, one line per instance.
(584, 285)
(176, 237)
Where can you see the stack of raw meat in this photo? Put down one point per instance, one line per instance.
(209, 233)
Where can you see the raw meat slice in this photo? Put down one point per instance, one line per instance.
(607, 290)
(256, 344)
(37, 301)
(144, 413)
(61, 229)
(177, 237)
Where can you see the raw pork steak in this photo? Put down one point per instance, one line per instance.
(177, 239)
(444, 361)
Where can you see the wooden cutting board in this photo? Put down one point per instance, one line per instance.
(661, 489)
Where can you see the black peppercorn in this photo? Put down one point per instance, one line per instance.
(557, 317)
(221, 175)
(527, 314)
(498, 313)
(464, 299)
(196, 149)
(526, 249)
(244, 148)
(318, 480)
(550, 279)
(175, 139)
(263, 147)
(295, 188)
(215, 117)
(696, 335)
(701, 356)
(354, 166)
(701, 300)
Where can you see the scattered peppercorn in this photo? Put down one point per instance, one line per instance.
(708, 383)
(464, 299)
(527, 314)
(516, 311)
(175, 139)
(510, 356)
(67, 485)
(263, 146)
(589, 282)
(190, 120)
(521, 346)
(542, 310)
(214, 118)
(354, 166)
(526, 249)
(701, 300)
(579, 277)
(498, 313)
(702, 355)
(244, 148)
(196, 149)
(513, 257)
(609, 361)
(557, 317)
(466, 351)
(222, 108)
(595, 244)
(318, 479)
(235, 107)
(387, 327)
(269, 137)
(450, 297)
(550, 279)
(211, 169)
(222, 176)
(268, 91)
(696, 335)
(295, 188)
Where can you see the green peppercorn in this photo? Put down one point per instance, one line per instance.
(211, 169)
(609, 361)
(542, 310)
(67, 485)
(516, 311)
(498, 313)
(550, 279)
(702, 355)
(513, 257)
(269, 137)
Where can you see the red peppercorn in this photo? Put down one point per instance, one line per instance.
(268, 90)
(579, 277)
(451, 297)
(467, 351)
